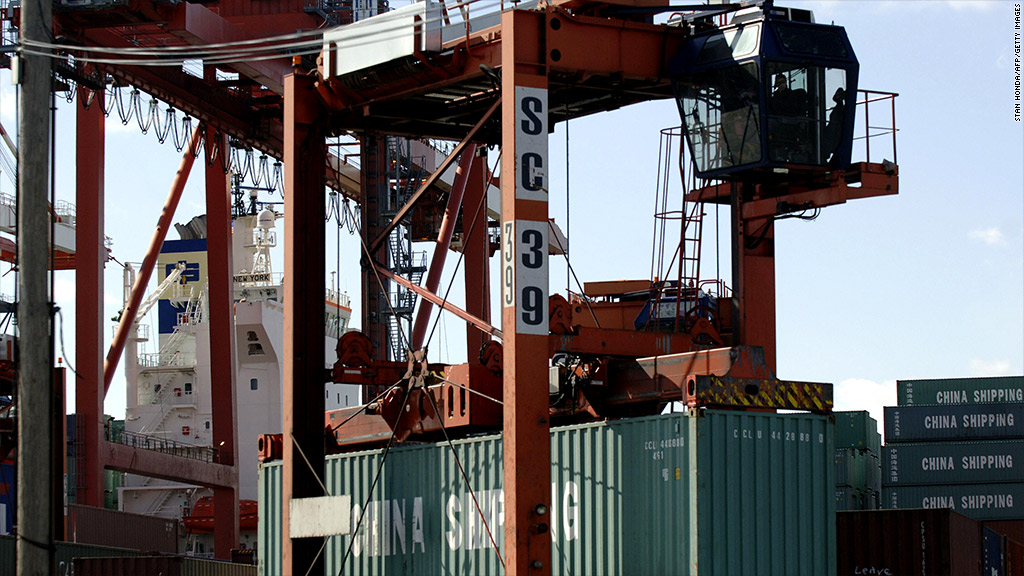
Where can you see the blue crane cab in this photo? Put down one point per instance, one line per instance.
(770, 93)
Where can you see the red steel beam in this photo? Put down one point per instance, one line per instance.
(198, 25)
(375, 185)
(222, 343)
(305, 153)
(476, 248)
(753, 272)
(435, 299)
(430, 180)
(146, 271)
(607, 342)
(89, 259)
(167, 467)
(524, 210)
(444, 240)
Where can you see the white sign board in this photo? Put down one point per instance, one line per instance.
(319, 517)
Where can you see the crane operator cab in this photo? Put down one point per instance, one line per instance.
(770, 93)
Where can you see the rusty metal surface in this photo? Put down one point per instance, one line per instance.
(90, 525)
(89, 319)
(662, 378)
(526, 441)
(305, 153)
(223, 375)
(159, 465)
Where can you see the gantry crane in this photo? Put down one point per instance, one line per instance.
(503, 80)
(495, 79)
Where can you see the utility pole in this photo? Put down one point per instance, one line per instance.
(35, 392)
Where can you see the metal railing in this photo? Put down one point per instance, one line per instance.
(338, 297)
(157, 359)
(886, 101)
(207, 454)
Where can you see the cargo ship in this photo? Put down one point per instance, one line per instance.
(169, 402)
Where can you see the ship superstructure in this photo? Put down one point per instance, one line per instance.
(169, 401)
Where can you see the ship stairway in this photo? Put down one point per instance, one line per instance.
(159, 506)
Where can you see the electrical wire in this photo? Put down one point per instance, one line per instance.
(252, 50)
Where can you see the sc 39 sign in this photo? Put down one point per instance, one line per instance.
(524, 272)
(524, 243)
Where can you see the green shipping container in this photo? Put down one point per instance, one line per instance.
(858, 469)
(981, 502)
(158, 565)
(707, 492)
(954, 462)
(857, 430)
(849, 499)
(959, 391)
(64, 553)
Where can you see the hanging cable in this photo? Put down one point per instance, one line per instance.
(383, 288)
(465, 478)
(373, 485)
(472, 227)
(365, 406)
(566, 249)
(471, 391)
(573, 272)
(64, 352)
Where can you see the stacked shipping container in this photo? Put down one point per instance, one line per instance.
(909, 543)
(706, 492)
(959, 444)
(858, 469)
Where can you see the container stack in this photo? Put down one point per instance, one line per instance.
(705, 492)
(959, 444)
(858, 468)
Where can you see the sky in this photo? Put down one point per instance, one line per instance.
(925, 284)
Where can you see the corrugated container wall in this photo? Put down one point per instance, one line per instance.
(268, 529)
(979, 501)
(857, 430)
(958, 391)
(711, 492)
(992, 546)
(64, 552)
(89, 525)
(953, 462)
(908, 543)
(1013, 557)
(974, 422)
(857, 469)
(158, 565)
(848, 499)
(1012, 529)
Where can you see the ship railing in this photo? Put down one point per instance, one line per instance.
(157, 359)
(163, 445)
(338, 297)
